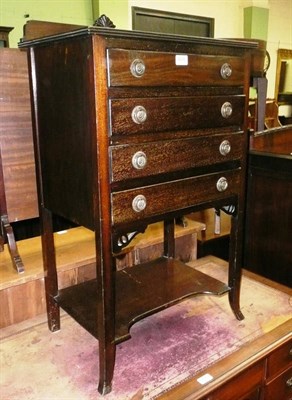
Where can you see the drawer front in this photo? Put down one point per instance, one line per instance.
(146, 68)
(245, 386)
(145, 202)
(148, 159)
(280, 359)
(144, 115)
(281, 387)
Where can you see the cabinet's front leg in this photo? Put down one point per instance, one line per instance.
(106, 314)
(107, 356)
(235, 262)
(51, 279)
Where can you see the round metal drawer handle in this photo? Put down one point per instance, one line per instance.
(139, 203)
(222, 184)
(226, 109)
(225, 147)
(289, 383)
(226, 71)
(139, 160)
(139, 114)
(137, 68)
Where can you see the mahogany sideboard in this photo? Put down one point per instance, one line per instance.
(131, 128)
(268, 250)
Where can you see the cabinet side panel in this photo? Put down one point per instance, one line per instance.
(66, 118)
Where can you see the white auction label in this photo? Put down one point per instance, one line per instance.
(181, 59)
(205, 379)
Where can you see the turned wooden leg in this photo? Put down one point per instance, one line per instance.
(51, 278)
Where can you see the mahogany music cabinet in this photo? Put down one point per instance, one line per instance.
(131, 128)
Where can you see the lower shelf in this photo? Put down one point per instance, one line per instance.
(141, 290)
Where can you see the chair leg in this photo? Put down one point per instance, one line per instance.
(12, 246)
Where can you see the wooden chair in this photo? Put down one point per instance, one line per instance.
(271, 118)
(272, 115)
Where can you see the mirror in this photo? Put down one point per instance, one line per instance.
(283, 85)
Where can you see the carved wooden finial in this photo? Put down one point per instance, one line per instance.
(104, 21)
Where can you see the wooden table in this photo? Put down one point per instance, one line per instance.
(261, 370)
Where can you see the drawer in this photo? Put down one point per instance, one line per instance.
(146, 68)
(148, 201)
(148, 159)
(144, 115)
(280, 359)
(281, 387)
(245, 386)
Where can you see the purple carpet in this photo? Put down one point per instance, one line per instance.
(165, 349)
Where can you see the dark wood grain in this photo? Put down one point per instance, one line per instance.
(239, 388)
(138, 294)
(181, 155)
(34, 29)
(86, 177)
(268, 250)
(194, 72)
(171, 114)
(280, 387)
(16, 144)
(172, 196)
(279, 360)
(277, 141)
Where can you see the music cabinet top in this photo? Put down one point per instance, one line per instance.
(128, 34)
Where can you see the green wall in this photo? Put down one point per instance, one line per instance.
(116, 10)
(256, 21)
(84, 12)
(14, 13)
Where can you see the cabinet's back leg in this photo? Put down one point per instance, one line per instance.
(51, 279)
(234, 302)
(235, 262)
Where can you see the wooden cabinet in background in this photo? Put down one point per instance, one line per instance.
(268, 232)
(279, 374)
(245, 386)
(18, 193)
(267, 379)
